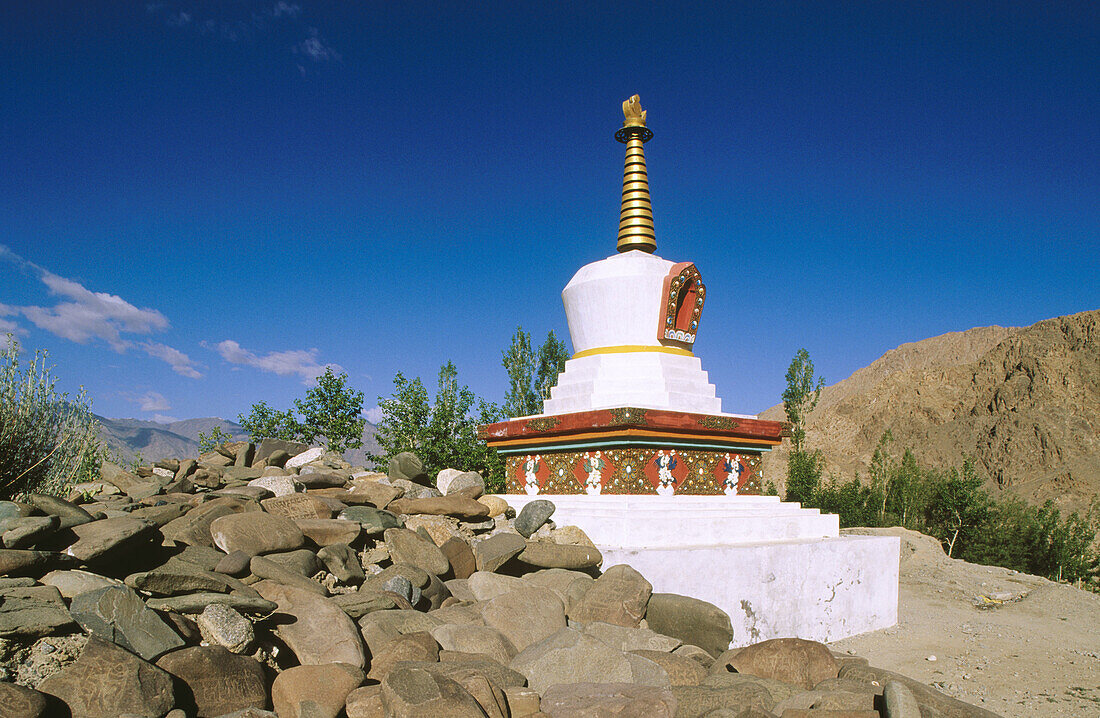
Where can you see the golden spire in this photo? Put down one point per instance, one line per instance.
(636, 216)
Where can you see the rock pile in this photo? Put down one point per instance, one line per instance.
(278, 577)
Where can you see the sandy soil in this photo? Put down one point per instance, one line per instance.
(1014, 644)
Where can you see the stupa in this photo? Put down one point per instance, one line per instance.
(633, 447)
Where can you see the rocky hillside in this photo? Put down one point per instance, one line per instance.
(1024, 402)
(130, 438)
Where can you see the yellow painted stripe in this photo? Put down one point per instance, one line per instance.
(629, 348)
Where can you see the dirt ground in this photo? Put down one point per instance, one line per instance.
(1014, 644)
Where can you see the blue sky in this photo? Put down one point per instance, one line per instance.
(202, 204)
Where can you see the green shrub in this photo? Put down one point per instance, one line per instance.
(47, 440)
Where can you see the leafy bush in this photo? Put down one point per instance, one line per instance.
(47, 440)
(208, 442)
(331, 410)
(443, 433)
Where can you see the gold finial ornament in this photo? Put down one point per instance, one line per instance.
(636, 215)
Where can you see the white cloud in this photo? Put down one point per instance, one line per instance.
(315, 48)
(302, 362)
(162, 419)
(374, 415)
(8, 326)
(286, 9)
(152, 401)
(180, 362)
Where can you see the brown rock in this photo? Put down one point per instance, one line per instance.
(267, 569)
(460, 556)
(325, 532)
(926, 696)
(19, 562)
(619, 596)
(314, 616)
(419, 646)
(544, 554)
(255, 533)
(410, 547)
(314, 691)
(681, 670)
(596, 700)
(439, 528)
(416, 693)
(471, 638)
(19, 702)
(193, 528)
(297, 506)
(495, 551)
(365, 702)
(791, 660)
(460, 507)
(497, 506)
(219, 682)
(107, 681)
(525, 616)
(691, 620)
(99, 540)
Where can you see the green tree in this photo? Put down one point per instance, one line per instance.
(531, 375)
(799, 399)
(207, 442)
(332, 410)
(47, 439)
(959, 507)
(442, 432)
(263, 422)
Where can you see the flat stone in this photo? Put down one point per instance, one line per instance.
(205, 557)
(197, 603)
(791, 660)
(412, 692)
(176, 577)
(267, 569)
(569, 656)
(100, 540)
(297, 506)
(460, 556)
(219, 682)
(223, 626)
(926, 696)
(410, 547)
(571, 536)
(255, 533)
(631, 639)
(374, 521)
(496, 505)
(318, 480)
(234, 564)
(58, 507)
(681, 670)
(469, 483)
(267, 447)
(256, 493)
(594, 700)
(619, 596)
(899, 702)
(21, 702)
(532, 517)
(314, 616)
(27, 532)
(461, 507)
(342, 562)
(439, 528)
(570, 586)
(416, 646)
(495, 551)
(551, 555)
(114, 474)
(382, 627)
(691, 620)
(525, 616)
(193, 528)
(303, 561)
(314, 691)
(362, 602)
(278, 485)
(324, 532)
(107, 682)
(486, 586)
(32, 612)
(73, 582)
(374, 493)
(477, 678)
(701, 700)
(475, 639)
(161, 515)
(118, 615)
(409, 467)
(304, 457)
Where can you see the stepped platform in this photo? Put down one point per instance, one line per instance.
(776, 568)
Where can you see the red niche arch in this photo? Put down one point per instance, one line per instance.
(683, 295)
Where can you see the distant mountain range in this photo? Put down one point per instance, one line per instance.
(1023, 402)
(127, 439)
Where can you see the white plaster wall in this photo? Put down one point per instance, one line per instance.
(648, 380)
(616, 301)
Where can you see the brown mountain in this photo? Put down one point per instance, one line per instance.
(1023, 402)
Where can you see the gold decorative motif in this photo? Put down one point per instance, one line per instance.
(633, 114)
(627, 416)
(720, 423)
(543, 423)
